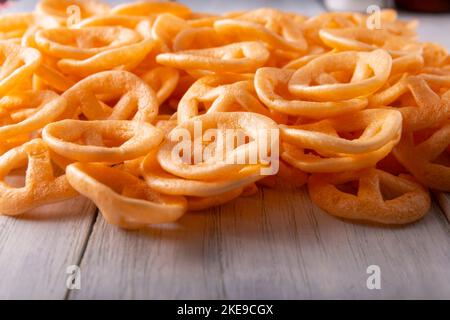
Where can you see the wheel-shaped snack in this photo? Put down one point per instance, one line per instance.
(131, 98)
(41, 186)
(271, 85)
(370, 195)
(426, 108)
(110, 141)
(375, 128)
(342, 75)
(426, 155)
(313, 162)
(123, 199)
(71, 43)
(220, 93)
(219, 145)
(235, 57)
(167, 183)
(80, 52)
(363, 39)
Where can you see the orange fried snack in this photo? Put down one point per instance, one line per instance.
(271, 84)
(427, 156)
(123, 199)
(376, 196)
(236, 57)
(17, 64)
(152, 110)
(23, 113)
(109, 141)
(41, 185)
(132, 98)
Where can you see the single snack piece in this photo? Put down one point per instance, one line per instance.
(313, 162)
(377, 127)
(166, 183)
(124, 58)
(426, 154)
(363, 39)
(110, 141)
(424, 107)
(236, 57)
(220, 157)
(370, 195)
(319, 80)
(132, 97)
(271, 85)
(41, 185)
(70, 43)
(123, 199)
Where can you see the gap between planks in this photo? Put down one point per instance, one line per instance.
(85, 244)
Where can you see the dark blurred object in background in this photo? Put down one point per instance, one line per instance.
(431, 6)
(355, 5)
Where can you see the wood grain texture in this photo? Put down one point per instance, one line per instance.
(36, 249)
(275, 244)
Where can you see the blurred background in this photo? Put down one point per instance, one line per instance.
(434, 15)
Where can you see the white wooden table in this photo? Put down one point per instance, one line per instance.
(275, 244)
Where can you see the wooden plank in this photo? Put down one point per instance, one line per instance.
(36, 249)
(272, 245)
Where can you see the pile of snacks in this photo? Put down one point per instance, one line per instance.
(91, 94)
